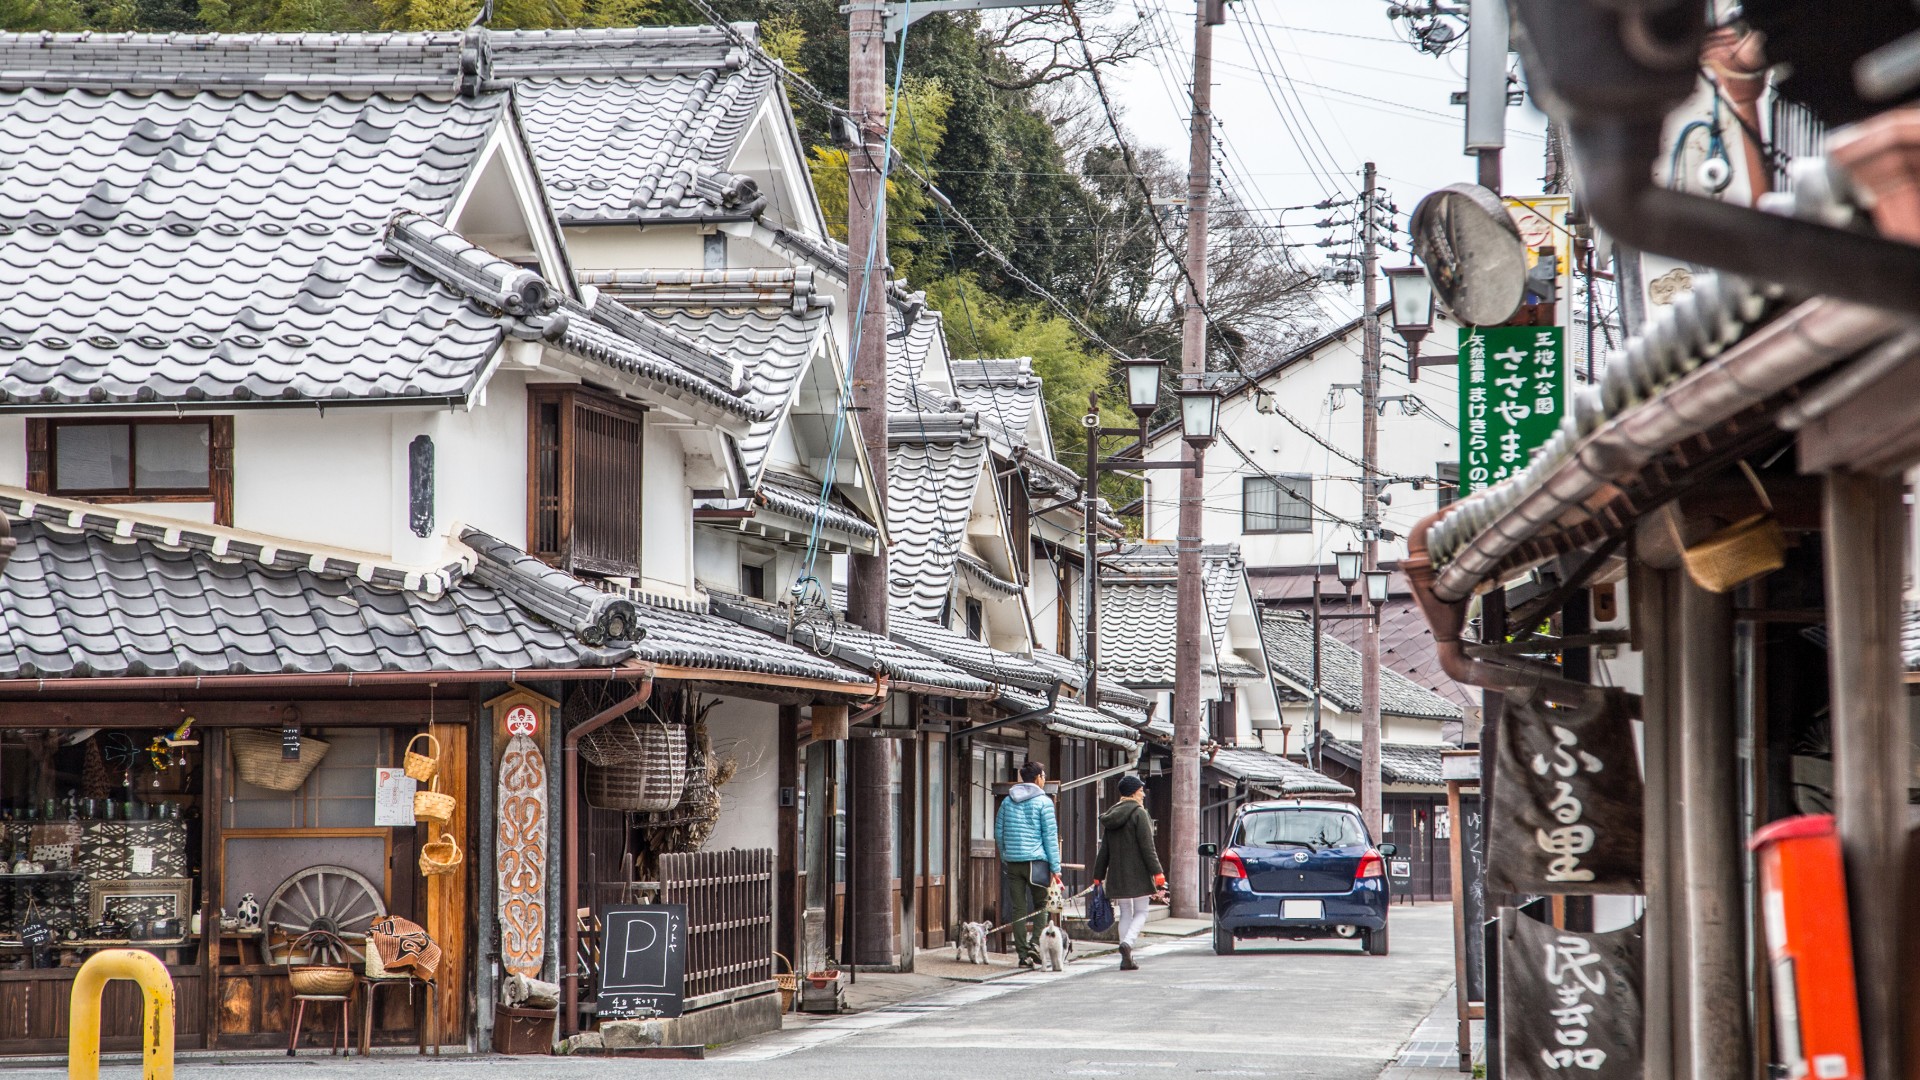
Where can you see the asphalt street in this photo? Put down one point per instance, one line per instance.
(1298, 1010)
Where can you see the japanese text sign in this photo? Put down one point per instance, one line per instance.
(1568, 817)
(1513, 391)
(1570, 1003)
(643, 963)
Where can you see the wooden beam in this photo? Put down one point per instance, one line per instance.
(758, 678)
(1866, 518)
(1876, 430)
(367, 712)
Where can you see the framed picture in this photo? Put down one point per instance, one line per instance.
(140, 898)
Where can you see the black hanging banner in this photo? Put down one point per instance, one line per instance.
(1569, 817)
(1570, 1003)
(643, 961)
(1473, 893)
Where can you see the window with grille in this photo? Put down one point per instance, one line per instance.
(1281, 504)
(583, 499)
(124, 459)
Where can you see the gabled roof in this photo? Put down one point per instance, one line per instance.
(1400, 763)
(95, 594)
(1005, 393)
(444, 62)
(1289, 639)
(637, 125)
(930, 493)
(1138, 600)
(1273, 774)
(771, 321)
(1406, 645)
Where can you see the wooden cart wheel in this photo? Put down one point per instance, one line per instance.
(330, 898)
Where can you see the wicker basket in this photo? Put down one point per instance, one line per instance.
(787, 983)
(322, 979)
(433, 804)
(257, 759)
(423, 767)
(641, 767)
(1740, 552)
(440, 856)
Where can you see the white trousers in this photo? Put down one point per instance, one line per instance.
(1130, 917)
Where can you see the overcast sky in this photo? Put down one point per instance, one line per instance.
(1305, 91)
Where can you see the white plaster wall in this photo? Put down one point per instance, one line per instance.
(750, 804)
(666, 542)
(1409, 445)
(479, 468)
(626, 247)
(321, 477)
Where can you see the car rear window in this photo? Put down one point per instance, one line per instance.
(1321, 828)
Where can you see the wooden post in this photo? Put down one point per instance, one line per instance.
(1648, 594)
(1864, 520)
(447, 916)
(1710, 839)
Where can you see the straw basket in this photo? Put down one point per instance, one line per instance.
(787, 983)
(423, 767)
(323, 979)
(637, 767)
(1740, 552)
(440, 856)
(258, 760)
(433, 804)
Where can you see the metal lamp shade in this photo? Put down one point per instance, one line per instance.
(1199, 415)
(1411, 296)
(1377, 586)
(1143, 384)
(1346, 566)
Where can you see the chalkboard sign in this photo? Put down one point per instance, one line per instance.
(36, 935)
(1400, 868)
(290, 743)
(1570, 1003)
(1473, 892)
(643, 961)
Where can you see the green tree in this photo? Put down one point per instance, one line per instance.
(916, 138)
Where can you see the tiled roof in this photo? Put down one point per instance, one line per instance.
(1400, 763)
(398, 63)
(1273, 773)
(770, 322)
(930, 490)
(1074, 720)
(830, 256)
(636, 125)
(1136, 631)
(1406, 645)
(908, 667)
(1002, 669)
(96, 595)
(1004, 392)
(228, 247)
(799, 497)
(1071, 672)
(1289, 639)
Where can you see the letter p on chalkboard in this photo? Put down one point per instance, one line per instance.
(643, 949)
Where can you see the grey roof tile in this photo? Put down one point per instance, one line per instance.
(907, 666)
(688, 635)
(1002, 669)
(1272, 773)
(930, 491)
(443, 62)
(1400, 763)
(1289, 641)
(1074, 720)
(799, 497)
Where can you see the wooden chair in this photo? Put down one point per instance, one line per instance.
(344, 1041)
(427, 1030)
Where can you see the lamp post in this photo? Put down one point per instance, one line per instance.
(1410, 296)
(1347, 569)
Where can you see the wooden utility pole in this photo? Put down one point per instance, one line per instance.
(1189, 616)
(1369, 511)
(870, 841)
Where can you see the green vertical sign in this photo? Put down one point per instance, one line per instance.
(1513, 390)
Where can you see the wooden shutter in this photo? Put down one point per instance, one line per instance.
(584, 476)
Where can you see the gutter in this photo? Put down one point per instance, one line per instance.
(570, 838)
(1053, 700)
(214, 683)
(227, 405)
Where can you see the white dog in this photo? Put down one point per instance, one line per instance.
(1055, 947)
(972, 946)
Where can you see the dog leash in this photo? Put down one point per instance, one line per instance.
(1063, 900)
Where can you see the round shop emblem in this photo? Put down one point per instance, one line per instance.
(1300, 856)
(522, 720)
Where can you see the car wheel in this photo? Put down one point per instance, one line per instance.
(1374, 941)
(1222, 940)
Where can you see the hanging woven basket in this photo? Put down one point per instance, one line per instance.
(440, 856)
(1744, 550)
(433, 804)
(258, 760)
(640, 768)
(423, 767)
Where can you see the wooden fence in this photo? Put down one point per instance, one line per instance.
(729, 898)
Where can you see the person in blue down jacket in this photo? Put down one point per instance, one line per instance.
(1028, 837)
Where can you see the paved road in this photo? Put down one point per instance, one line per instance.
(1298, 1011)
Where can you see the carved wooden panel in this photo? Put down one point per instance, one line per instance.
(521, 844)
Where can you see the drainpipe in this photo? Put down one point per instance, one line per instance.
(1612, 77)
(570, 841)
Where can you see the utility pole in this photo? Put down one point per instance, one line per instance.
(870, 839)
(1188, 615)
(1370, 510)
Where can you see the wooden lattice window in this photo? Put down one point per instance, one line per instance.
(583, 491)
(135, 460)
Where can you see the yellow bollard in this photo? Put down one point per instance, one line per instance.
(83, 1020)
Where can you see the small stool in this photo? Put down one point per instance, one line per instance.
(345, 1039)
(427, 1032)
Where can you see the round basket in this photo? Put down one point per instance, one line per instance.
(641, 768)
(423, 767)
(324, 979)
(258, 761)
(441, 856)
(433, 805)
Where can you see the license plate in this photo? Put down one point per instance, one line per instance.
(1301, 909)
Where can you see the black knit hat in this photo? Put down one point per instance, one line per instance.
(1130, 784)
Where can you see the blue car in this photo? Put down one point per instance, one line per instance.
(1299, 870)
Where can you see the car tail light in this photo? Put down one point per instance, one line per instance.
(1231, 865)
(1371, 866)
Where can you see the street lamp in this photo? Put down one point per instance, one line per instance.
(1199, 415)
(1143, 385)
(1346, 567)
(1377, 586)
(1410, 295)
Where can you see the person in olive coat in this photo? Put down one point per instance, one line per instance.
(1128, 866)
